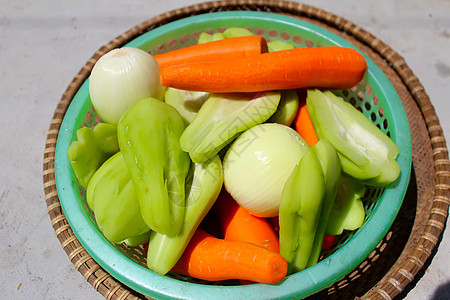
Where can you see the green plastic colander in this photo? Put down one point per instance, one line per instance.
(374, 96)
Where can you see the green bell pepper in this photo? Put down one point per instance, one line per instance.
(305, 205)
(365, 152)
(348, 211)
(222, 118)
(149, 133)
(111, 196)
(207, 178)
(91, 149)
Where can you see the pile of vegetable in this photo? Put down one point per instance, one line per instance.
(244, 131)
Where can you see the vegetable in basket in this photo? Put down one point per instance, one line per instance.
(237, 224)
(232, 32)
(305, 205)
(257, 165)
(222, 118)
(91, 149)
(365, 152)
(230, 49)
(277, 45)
(203, 187)
(347, 212)
(120, 78)
(187, 103)
(213, 259)
(287, 109)
(148, 134)
(303, 123)
(111, 196)
(321, 67)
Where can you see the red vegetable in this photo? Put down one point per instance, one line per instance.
(213, 259)
(321, 67)
(226, 49)
(328, 241)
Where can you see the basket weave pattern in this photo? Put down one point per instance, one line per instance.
(421, 221)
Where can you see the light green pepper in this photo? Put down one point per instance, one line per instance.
(331, 167)
(149, 133)
(365, 152)
(222, 118)
(111, 196)
(305, 205)
(207, 178)
(142, 239)
(187, 103)
(277, 45)
(232, 32)
(287, 108)
(348, 210)
(91, 149)
(205, 37)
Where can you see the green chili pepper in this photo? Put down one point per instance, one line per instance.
(92, 148)
(207, 178)
(111, 196)
(305, 205)
(222, 118)
(348, 210)
(149, 133)
(365, 152)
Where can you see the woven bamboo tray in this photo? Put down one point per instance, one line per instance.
(401, 257)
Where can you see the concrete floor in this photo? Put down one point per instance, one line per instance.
(43, 44)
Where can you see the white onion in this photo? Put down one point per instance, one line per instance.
(120, 78)
(258, 164)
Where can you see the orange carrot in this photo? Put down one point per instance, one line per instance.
(302, 121)
(321, 67)
(239, 225)
(226, 49)
(213, 259)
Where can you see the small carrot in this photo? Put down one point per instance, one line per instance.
(321, 67)
(303, 124)
(239, 225)
(226, 49)
(213, 259)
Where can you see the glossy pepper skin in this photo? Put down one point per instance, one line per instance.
(331, 167)
(91, 149)
(365, 152)
(348, 211)
(110, 195)
(203, 187)
(305, 205)
(149, 133)
(222, 118)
